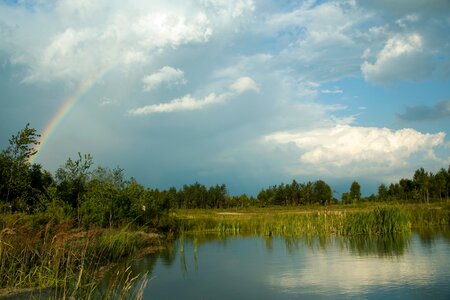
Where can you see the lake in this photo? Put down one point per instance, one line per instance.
(415, 266)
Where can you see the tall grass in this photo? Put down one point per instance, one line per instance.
(123, 285)
(367, 221)
(66, 261)
(385, 220)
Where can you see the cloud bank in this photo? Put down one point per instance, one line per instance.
(335, 149)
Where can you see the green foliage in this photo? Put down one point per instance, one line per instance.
(318, 192)
(102, 203)
(346, 198)
(322, 192)
(425, 187)
(355, 192)
(17, 179)
(72, 180)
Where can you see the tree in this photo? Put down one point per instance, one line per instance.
(295, 193)
(422, 181)
(307, 191)
(322, 192)
(355, 192)
(407, 187)
(441, 182)
(382, 192)
(217, 196)
(104, 203)
(72, 180)
(346, 199)
(15, 165)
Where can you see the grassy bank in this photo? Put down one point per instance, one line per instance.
(66, 260)
(315, 220)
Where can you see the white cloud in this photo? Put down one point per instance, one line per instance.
(188, 102)
(335, 91)
(78, 52)
(162, 29)
(167, 75)
(185, 103)
(344, 147)
(244, 84)
(63, 41)
(402, 57)
(66, 56)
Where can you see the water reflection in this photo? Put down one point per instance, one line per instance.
(285, 267)
(381, 246)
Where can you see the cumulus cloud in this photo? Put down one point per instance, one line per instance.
(188, 102)
(162, 29)
(165, 75)
(244, 84)
(426, 113)
(345, 146)
(74, 44)
(402, 57)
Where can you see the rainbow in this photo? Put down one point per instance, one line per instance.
(64, 110)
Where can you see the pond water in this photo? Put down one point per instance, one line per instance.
(416, 266)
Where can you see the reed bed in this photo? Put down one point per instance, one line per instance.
(368, 221)
(61, 261)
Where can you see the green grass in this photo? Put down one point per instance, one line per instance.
(292, 221)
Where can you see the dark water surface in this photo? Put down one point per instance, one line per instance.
(209, 267)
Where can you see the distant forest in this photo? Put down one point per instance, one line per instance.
(103, 197)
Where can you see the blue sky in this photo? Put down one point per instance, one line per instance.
(246, 93)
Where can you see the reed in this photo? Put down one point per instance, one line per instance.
(369, 220)
(384, 220)
(63, 261)
(123, 285)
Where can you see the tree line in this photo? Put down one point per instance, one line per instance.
(424, 187)
(104, 197)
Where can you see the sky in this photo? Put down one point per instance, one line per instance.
(242, 92)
